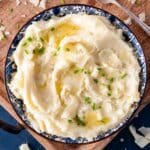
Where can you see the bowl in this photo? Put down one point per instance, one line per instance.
(60, 11)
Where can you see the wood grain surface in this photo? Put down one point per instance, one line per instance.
(13, 20)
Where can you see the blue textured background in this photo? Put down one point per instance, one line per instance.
(12, 142)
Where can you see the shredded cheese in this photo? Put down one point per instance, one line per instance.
(142, 16)
(140, 140)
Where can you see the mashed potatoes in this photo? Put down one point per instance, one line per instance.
(75, 75)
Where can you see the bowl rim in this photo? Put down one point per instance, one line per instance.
(127, 120)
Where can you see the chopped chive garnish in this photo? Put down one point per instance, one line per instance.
(76, 71)
(24, 44)
(109, 87)
(87, 100)
(41, 39)
(70, 121)
(82, 70)
(26, 51)
(109, 94)
(79, 121)
(67, 49)
(124, 75)
(29, 39)
(87, 72)
(55, 54)
(99, 106)
(94, 106)
(52, 29)
(138, 2)
(39, 51)
(95, 80)
(111, 80)
(58, 48)
(103, 74)
(99, 69)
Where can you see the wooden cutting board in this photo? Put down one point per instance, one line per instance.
(14, 19)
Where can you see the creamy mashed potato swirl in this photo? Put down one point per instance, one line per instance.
(75, 75)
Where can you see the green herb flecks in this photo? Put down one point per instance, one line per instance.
(26, 51)
(29, 39)
(87, 72)
(111, 80)
(39, 51)
(24, 44)
(109, 94)
(52, 29)
(70, 121)
(109, 87)
(95, 81)
(57, 50)
(76, 71)
(41, 39)
(99, 69)
(67, 49)
(124, 75)
(138, 2)
(96, 106)
(82, 70)
(101, 72)
(87, 100)
(79, 121)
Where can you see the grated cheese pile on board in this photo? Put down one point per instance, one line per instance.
(128, 21)
(142, 139)
(2, 34)
(142, 16)
(132, 1)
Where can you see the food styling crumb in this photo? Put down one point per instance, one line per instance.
(141, 140)
(7, 33)
(128, 21)
(23, 15)
(142, 16)
(132, 1)
(18, 2)
(39, 3)
(2, 33)
(24, 147)
(121, 140)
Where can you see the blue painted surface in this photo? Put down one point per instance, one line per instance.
(10, 141)
(142, 120)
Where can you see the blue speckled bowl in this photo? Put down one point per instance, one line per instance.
(61, 11)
